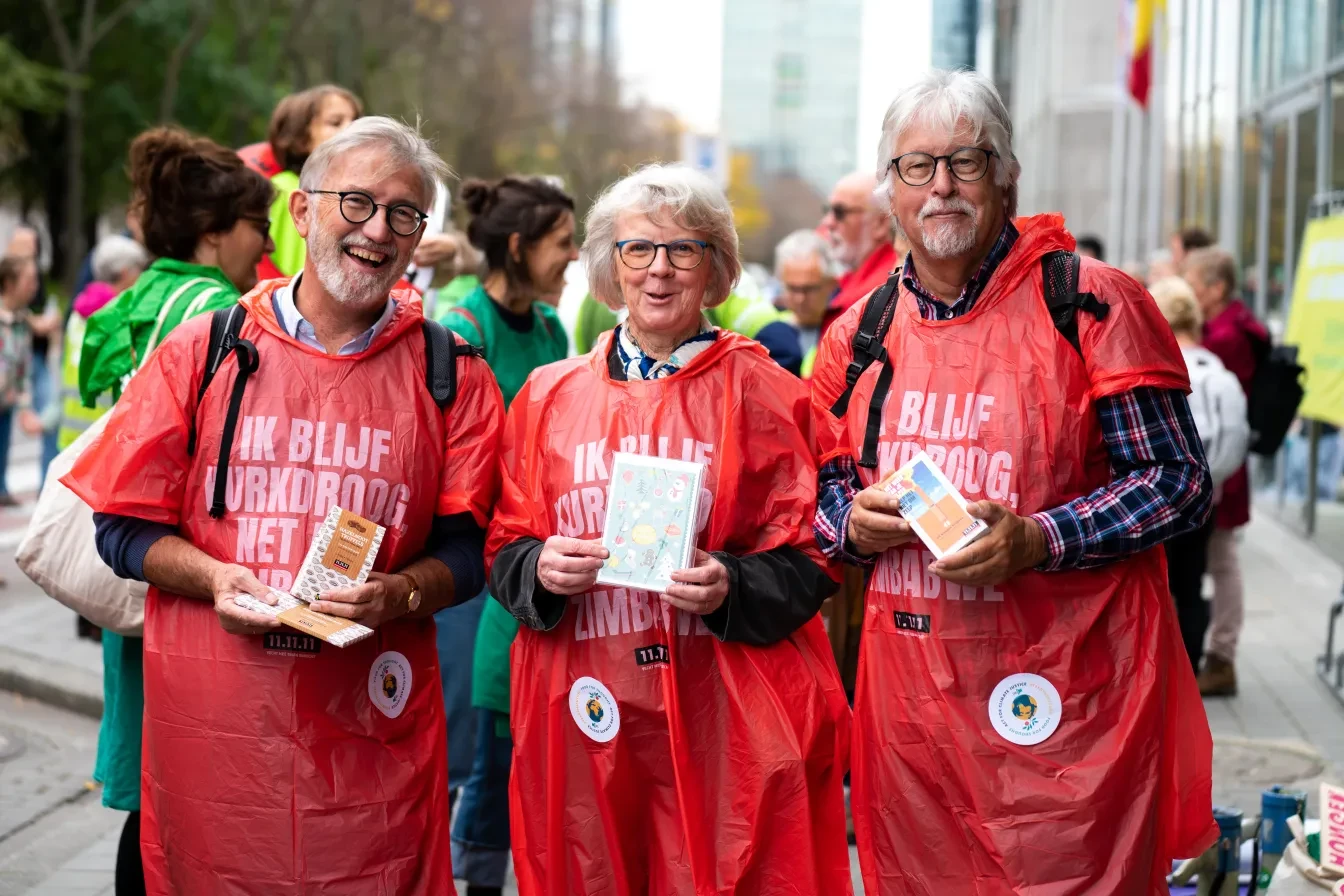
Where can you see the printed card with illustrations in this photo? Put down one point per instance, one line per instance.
(651, 519)
(933, 506)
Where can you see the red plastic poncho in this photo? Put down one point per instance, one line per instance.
(944, 802)
(724, 774)
(271, 770)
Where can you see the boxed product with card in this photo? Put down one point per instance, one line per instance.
(341, 555)
(933, 507)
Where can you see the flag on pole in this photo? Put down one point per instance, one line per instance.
(1143, 13)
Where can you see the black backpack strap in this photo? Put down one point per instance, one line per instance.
(225, 325)
(867, 347)
(867, 342)
(441, 352)
(1059, 275)
(248, 361)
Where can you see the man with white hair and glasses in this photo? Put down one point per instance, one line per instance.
(274, 762)
(1025, 717)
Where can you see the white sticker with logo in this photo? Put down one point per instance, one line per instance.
(1025, 709)
(594, 709)
(390, 683)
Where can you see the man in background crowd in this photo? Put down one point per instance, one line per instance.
(807, 268)
(1090, 246)
(859, 230)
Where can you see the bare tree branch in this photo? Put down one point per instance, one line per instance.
(200, 22)
(121, 12)
(85, 45)
(58, 32)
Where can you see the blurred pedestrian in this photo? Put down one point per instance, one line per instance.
(1185, 241)
(714, 762)
(524, 227)
(1160, 266)
(300, 123)
(203, 217)
(1089, 246)
(43, 322)
(18, 279)
(326, 772)
(807, 268)
(972, 660)
(1218, 405)
(117, 263)
(859, 228)
(1233, 334)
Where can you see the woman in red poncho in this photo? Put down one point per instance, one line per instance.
(717, 765)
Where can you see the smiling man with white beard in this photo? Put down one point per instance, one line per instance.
(1012, 693)
(261, 744)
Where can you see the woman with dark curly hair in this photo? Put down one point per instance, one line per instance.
(524, 226)
(204, 218)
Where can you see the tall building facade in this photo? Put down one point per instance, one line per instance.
(790, 86)
(1243, 136)
(956, 24)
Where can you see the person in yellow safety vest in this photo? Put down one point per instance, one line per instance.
(807, 268)
(117, 262)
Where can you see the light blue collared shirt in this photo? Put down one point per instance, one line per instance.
(287, 313)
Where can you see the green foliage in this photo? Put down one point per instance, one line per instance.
(470, 70)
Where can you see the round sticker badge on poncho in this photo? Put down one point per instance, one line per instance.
(1025, 709)
(390, 683)
(594, 709)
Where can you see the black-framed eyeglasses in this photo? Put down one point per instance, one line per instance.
(358, 207)
(263, 225)
(839, 211)
(684, 255)
(967, 165)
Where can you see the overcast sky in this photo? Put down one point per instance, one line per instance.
(675, 61)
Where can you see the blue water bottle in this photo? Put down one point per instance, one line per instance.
(1277, 805)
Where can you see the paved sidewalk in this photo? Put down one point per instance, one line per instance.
(90, 872)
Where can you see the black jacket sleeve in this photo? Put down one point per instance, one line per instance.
(513, 582)
(770, 595)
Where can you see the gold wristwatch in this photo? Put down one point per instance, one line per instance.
(412, 600)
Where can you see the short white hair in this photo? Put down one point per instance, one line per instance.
(944, 99)
(402, 143)
(804, 244)
(663, 193)
(115, 255)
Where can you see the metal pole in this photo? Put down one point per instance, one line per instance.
(1157, 121)
(1116, 225)
(1313, 455)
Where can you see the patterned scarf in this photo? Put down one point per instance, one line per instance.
(639, 366)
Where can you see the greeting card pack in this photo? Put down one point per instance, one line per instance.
(652, 504)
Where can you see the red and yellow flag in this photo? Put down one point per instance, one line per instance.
(1140, 77)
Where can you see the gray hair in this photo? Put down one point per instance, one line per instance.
(115, 255)
(663, 193)
(403, 144)
(942, 99)
(804, 244)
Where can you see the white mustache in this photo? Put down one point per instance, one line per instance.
(388, 249)
(943, 206)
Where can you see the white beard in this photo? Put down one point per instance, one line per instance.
(359, 289)
(950, 239)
